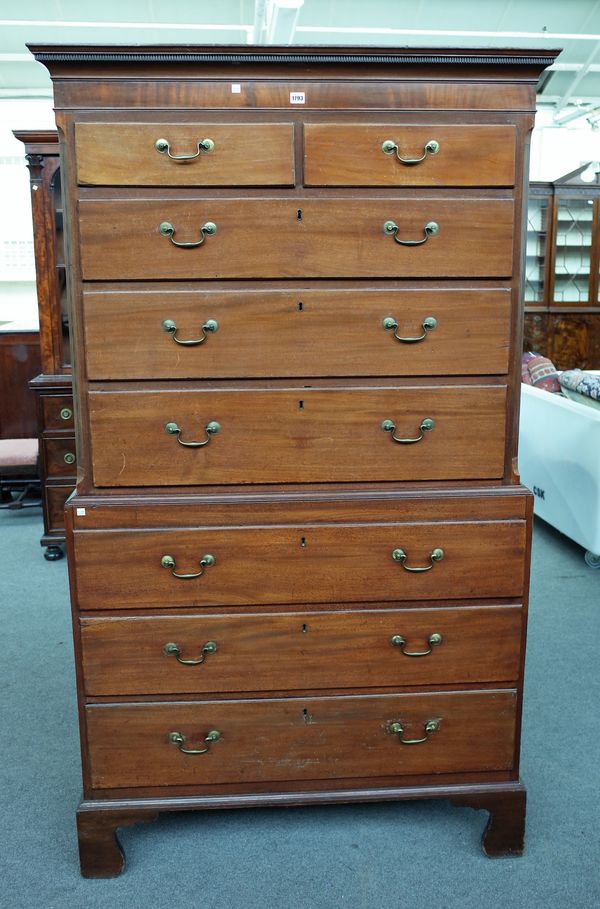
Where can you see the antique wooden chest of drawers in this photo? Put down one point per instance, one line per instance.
(299, 548)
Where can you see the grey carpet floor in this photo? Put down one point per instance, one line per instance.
(419, 854)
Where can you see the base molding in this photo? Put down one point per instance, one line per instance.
(101, 854)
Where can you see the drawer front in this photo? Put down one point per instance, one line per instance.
(271, 238)
(330, 563)
(60, 456)
(295, 333)
(57, 411)
(300, 739)
(294, 651)
(340, 154)
(56, 497)
(126, 154)
(296, 436)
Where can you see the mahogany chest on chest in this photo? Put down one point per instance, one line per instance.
(298, 549)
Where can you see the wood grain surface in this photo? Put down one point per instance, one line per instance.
(295, 237)
(299, 738)
(303, 332)
(298, 564)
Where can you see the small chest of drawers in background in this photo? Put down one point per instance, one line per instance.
(298, 549)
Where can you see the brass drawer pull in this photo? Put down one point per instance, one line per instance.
(69, 458)
(430, 727)
(176, 738)
(206, 561)
(162, 146)
(390, 324)
(66, 413)
(389, 147)
(211, 429)
(398, 641)
(426, 426)
(209, 327)
(209, 647)
(207, 230)
(436, 555)
(390, 229)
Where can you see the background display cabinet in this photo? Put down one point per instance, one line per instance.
(53, 386)
(562, 306)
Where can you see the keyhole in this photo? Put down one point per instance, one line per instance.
(300, 306)
(299, 214)
(301, 405)
(304, 628)
(302, 542)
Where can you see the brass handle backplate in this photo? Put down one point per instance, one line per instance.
(69, 458)
(66, 413)
(164, 148)
(397, 728)
(211, 429)
(390, 324)
(174, 649)
(207, 230)
(176, 738)
(426, 426)
(206, 561)
(390, 229)
(398, 641)
(209, 327)
(436, 555)
(389, 147)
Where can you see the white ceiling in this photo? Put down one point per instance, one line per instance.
(573, 25)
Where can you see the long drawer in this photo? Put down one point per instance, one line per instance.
(185, 154)
(175, 333)
(295, 237)
(292, 651)
(387, 154)
(299, 738)
(297, 435)
(319, 563)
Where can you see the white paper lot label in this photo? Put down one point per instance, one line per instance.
(297, 98)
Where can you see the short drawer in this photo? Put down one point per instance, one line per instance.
(300, 738)
(312, 563)
(200, 654)
(60, 458)
(299, 435)
(54, 512)
(279, 238)
(57, 411)
(185, 154)
(401, 154)
(176, 333)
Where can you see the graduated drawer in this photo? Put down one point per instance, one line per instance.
(323, 563)
(126, 154)
(57, 411)
(351, 154)
(278, 238)
(55, 497)
(266, 333)
(131, 745)
(60, 458)
(300, 435)
(294, 651)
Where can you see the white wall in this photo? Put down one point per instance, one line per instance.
(557, 150)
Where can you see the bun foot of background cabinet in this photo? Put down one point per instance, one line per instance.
(100, 852)
(53, 553)
(504, 834)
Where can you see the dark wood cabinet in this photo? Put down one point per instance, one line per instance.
(298, 550)
(53, 387)
(562, 302)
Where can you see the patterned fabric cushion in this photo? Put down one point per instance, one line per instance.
(539, 371)
(581, 386)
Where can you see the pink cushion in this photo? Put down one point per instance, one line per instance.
(18, 452)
